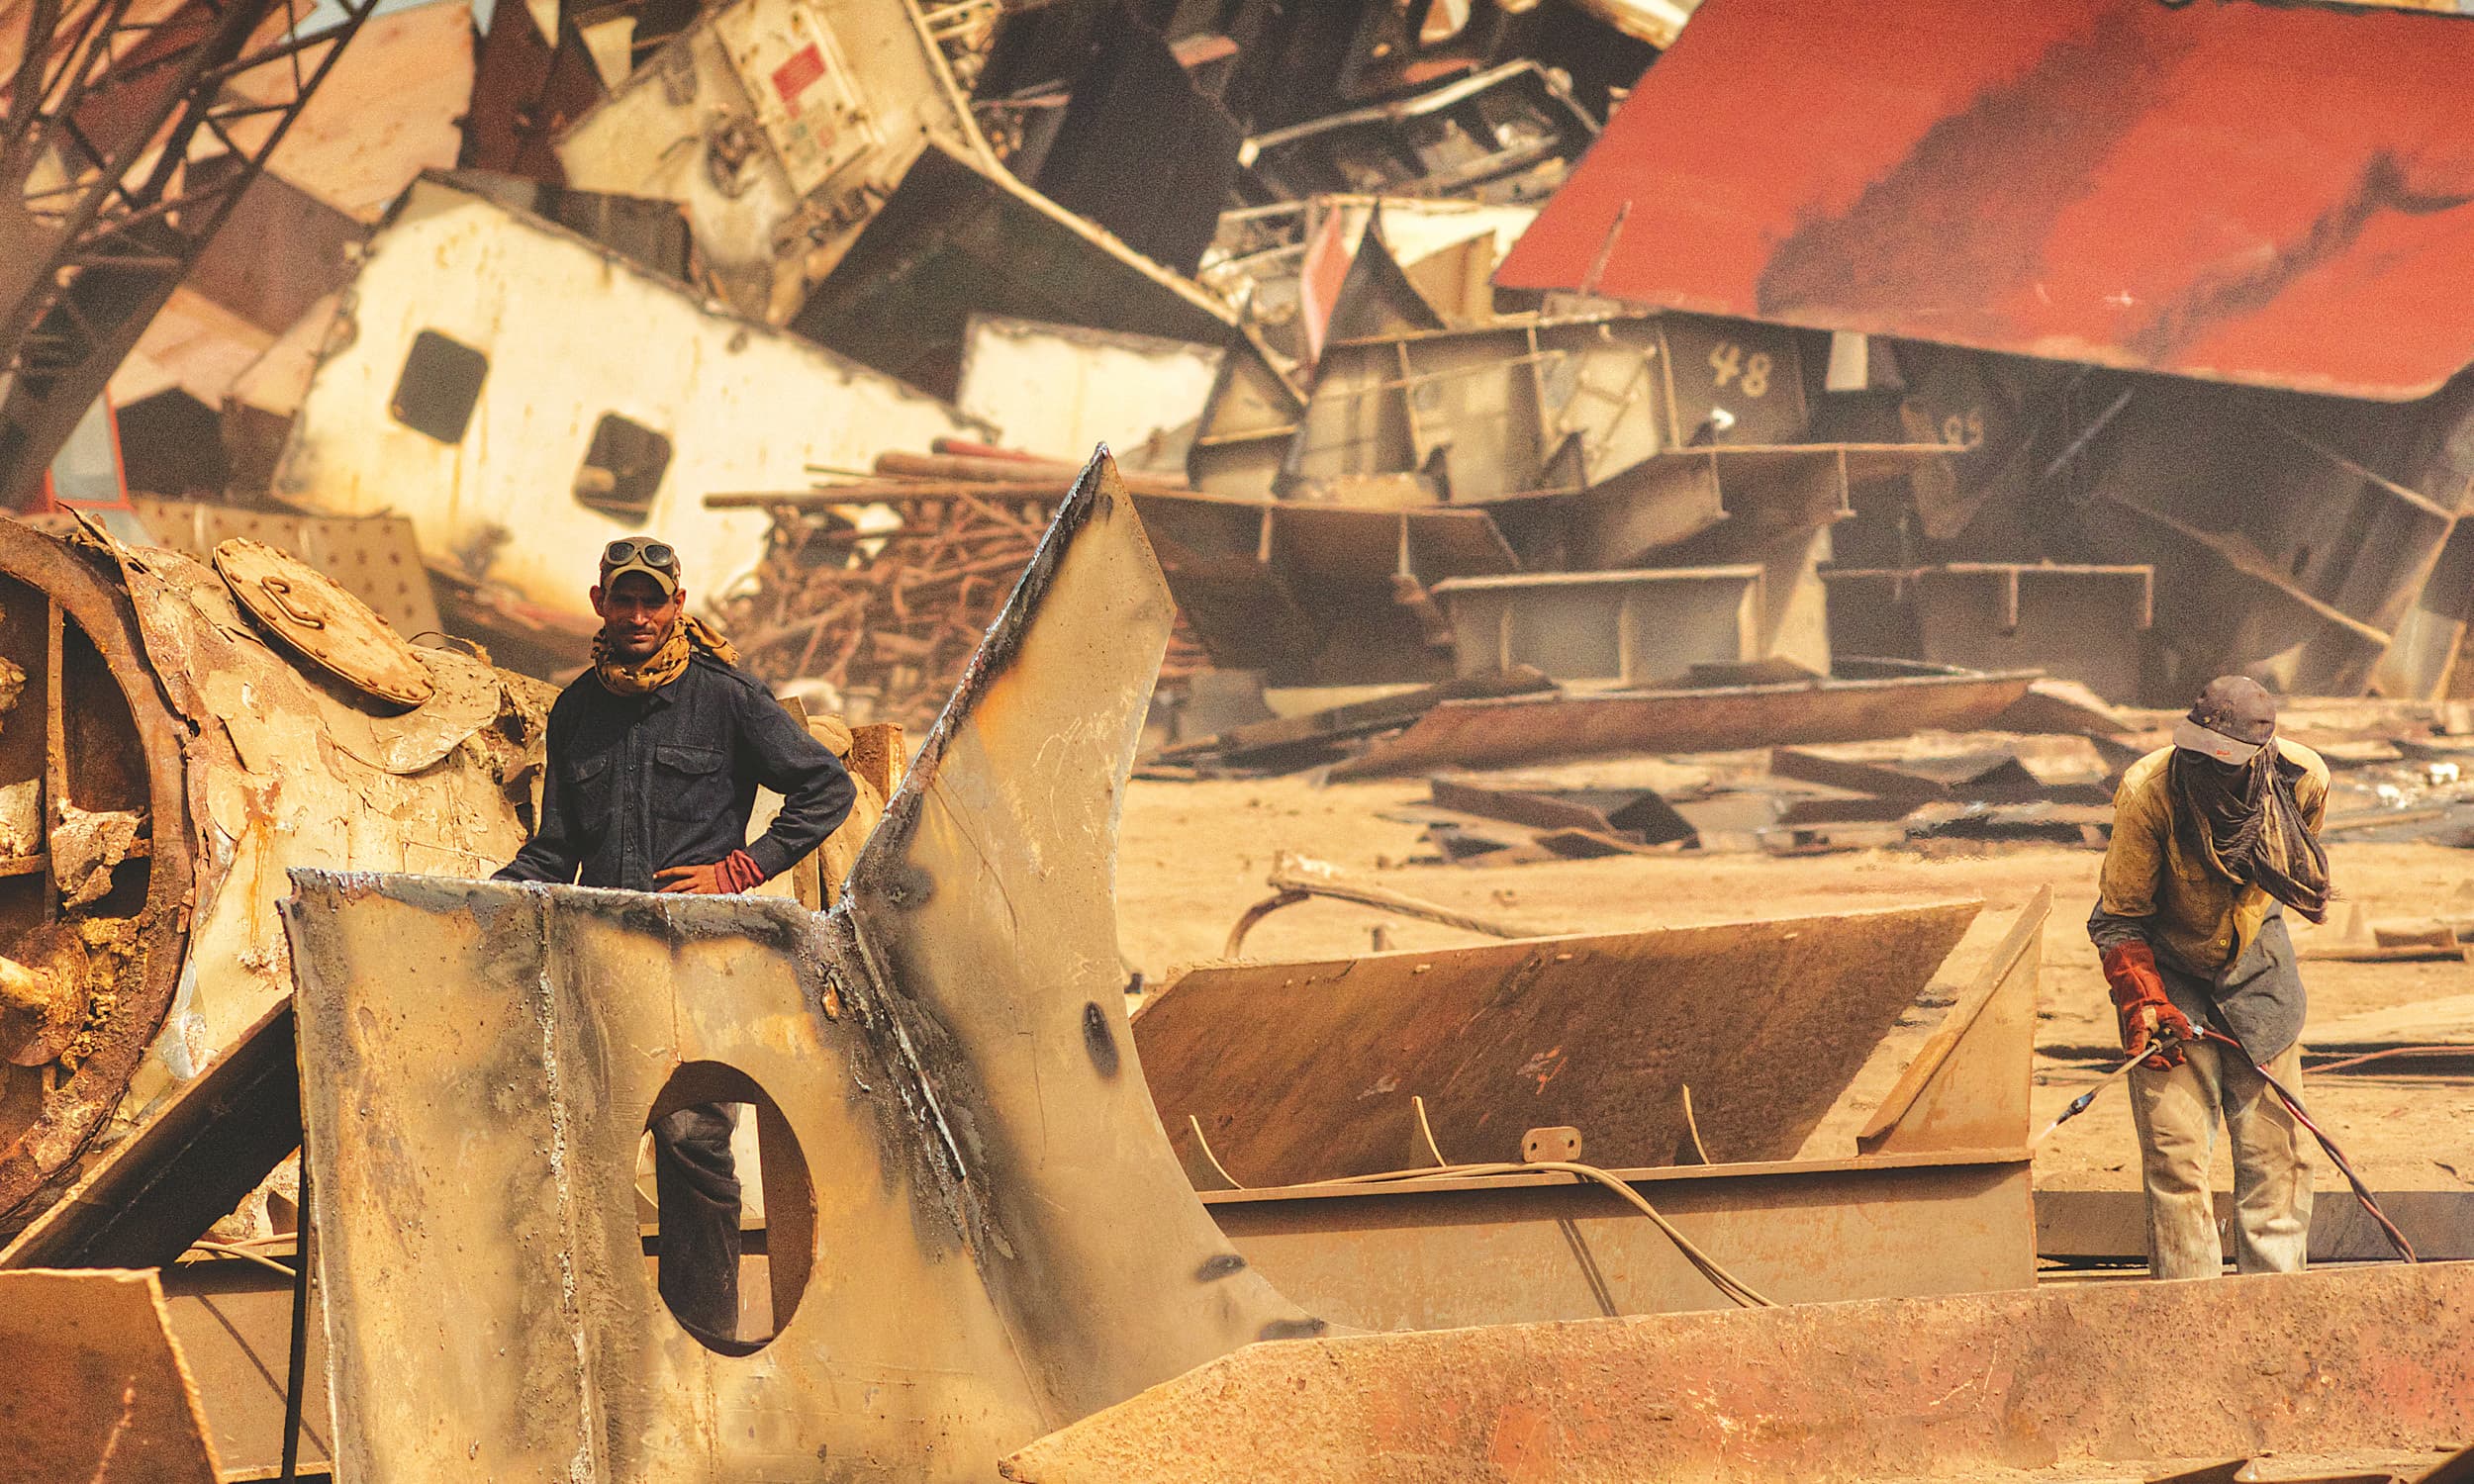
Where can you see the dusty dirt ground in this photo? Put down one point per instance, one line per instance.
(1193, 856)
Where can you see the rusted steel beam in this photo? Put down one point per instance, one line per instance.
(1521, 730)
(1950, 1387)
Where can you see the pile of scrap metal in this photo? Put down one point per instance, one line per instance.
(1694, 447)
(1935, 794)
(178, 736)
(2403, 771)
(2162, 321)
(609, 262)
(1614, 498)
(1044, 1295)
(546, 301)
(1300, 250)
(879, 589)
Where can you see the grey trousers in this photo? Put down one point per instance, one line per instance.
(696, 1183)
(2178, 1110)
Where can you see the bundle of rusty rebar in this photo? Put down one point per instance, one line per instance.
(889, 616)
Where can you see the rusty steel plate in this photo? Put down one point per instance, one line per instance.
(2124, 182)
(97, 1389)
(1495, 733)
(1304, 1072)
(321, 620)
(1970, 1387)
(996, 1237)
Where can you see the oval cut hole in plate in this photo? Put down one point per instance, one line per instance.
(727, 1208)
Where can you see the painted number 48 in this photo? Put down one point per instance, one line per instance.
(1727, 358)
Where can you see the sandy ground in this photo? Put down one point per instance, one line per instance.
(1193, 856)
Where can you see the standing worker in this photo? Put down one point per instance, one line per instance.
(655, 756)
(2212, 838)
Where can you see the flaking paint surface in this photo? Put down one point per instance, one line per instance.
(2124, 182)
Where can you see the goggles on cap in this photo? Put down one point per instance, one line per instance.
(657, 560)
(627, 551)
(2190, 736)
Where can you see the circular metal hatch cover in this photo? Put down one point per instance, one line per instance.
(317, 616)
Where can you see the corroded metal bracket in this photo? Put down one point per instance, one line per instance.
(1968, 1088)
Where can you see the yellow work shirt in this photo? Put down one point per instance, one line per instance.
(2194, 915)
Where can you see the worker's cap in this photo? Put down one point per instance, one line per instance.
(2231, 721)
(657, 560)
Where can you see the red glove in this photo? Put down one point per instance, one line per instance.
(740, 873)
(2138, 999)
(735, 872)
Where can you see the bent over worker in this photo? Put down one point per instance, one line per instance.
(2212, 838)
(655, 756)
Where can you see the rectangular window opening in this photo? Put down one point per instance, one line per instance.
(439, 388)
(622, 468)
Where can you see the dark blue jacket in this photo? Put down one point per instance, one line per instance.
(638, 784)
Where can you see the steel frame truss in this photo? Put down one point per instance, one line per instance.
(131, 130)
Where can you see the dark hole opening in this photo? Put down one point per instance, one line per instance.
(439, 388)
(728, 1210)
(622, 468)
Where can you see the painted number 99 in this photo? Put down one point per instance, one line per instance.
(1727, 358)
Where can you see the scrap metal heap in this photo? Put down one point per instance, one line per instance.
(2163, 319)
(1468, 437)
(1586, 469)
(885, 618)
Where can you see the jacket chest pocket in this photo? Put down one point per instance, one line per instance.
(690, 783)
(588, 783)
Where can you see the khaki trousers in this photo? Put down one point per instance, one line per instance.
(2178, 1110)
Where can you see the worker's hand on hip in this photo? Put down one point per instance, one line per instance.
(696, 880)
(735, 872)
